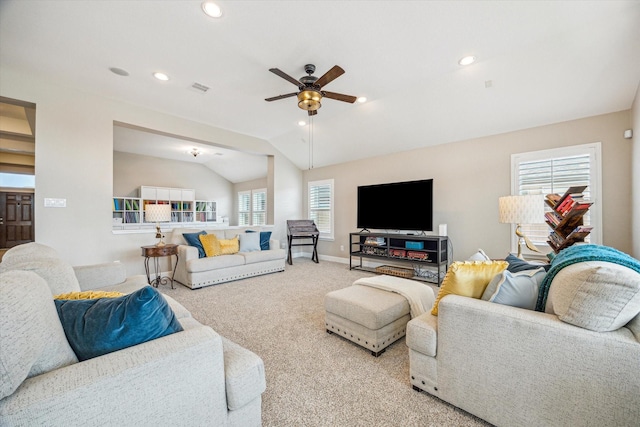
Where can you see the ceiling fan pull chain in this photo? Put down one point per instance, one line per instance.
(310, 142)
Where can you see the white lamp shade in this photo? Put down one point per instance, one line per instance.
(521, 209)
(157, 213)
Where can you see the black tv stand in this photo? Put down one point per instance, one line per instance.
(427, 256)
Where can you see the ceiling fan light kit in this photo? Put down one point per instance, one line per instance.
(309, 100)
(310, 88)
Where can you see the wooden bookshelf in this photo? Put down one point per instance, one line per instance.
(566, 218)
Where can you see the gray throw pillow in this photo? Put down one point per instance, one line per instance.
(595, 295)
(32, 340)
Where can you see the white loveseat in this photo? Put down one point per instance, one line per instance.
(190, 378)
(195, 272)
(516, 367)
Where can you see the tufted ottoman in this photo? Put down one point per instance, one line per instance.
(372, 318)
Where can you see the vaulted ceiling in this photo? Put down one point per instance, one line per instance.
(538, 62)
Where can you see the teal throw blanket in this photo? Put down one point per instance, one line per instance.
(580, 253)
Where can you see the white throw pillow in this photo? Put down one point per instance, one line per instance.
(249, 242)
(515, 289)
(595, 295)
(479, 256)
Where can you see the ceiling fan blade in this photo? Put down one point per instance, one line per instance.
(329, 76)
(312, 112)
(285, 76)
(339, 96)
(275, 98)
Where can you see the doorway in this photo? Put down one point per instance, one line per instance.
(16, 219)
(17, 172)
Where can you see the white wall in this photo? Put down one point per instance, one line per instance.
(635, 209)
(74, 161)
(130, 171)
(469, 177)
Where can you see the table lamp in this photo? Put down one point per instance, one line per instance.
(520, 210)
(158, 214)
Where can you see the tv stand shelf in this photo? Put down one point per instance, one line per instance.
(428, 255)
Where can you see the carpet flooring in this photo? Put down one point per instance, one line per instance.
(313, 378)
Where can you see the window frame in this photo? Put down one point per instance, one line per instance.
(594, 151)
(321, 183)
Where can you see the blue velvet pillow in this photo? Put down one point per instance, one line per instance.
(516, 264)
(99, 326)
(193, 239)
(265, 236)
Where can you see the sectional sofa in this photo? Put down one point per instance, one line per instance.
(573, 362)
(190, 377)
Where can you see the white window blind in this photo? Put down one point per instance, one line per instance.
(554, 171)
(259, 207)
(244, 208)
(321, 206)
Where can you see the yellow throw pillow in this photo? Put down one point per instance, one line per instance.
(211, 244)
(229, 246)
(88, 295)
(468, 278)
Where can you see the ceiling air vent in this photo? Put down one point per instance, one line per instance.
(200, 87)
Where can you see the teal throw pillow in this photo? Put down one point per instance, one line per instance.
(95, 327)
(515, 289)
(265, 236)
(193, 239)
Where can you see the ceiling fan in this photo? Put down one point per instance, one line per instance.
(310, 88)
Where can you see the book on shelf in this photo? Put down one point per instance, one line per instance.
(552, 217)
(583, 229)
(575, 190)
(553, 198)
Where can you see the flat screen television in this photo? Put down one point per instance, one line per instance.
(398, 206)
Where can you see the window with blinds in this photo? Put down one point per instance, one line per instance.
(321, 206)
(252, 207)
(259, 207)
(554, 171)
(244, 208)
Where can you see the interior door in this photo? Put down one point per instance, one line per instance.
(16, 219)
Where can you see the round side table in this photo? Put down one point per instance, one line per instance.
(157, 252)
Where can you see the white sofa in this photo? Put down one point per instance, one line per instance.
(517, 367)
(190, 378)
(195, 272)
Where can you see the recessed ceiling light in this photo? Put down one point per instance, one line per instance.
(362, 99)
(211, 9)
(467, 60)
(302, 123)
(161, 76)
(119, 71)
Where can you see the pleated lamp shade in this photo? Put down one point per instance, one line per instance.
(157, 213)
(527, 209)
